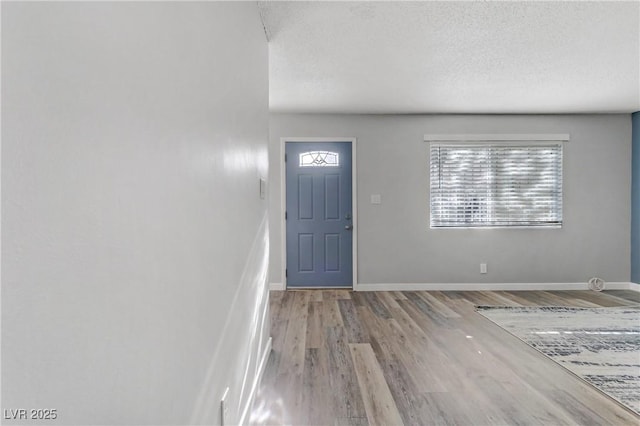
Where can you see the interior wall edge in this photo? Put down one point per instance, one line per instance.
(242, 344)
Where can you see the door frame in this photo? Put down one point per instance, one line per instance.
(283, 201)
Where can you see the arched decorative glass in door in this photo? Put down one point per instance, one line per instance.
(319, 159)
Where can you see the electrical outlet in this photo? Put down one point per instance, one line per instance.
(483, 268)
(224, 408)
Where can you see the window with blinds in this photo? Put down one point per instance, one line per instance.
(496, 185)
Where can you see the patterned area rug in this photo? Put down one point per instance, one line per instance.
(600, 345)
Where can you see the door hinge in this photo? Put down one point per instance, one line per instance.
(285, 215)
(285, 158)
(286, 273)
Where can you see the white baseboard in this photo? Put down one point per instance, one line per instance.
(477, 286)
(256, 382)
(487, 286)
(276, 286)
(619, 286)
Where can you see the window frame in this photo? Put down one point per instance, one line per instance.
(494, 140)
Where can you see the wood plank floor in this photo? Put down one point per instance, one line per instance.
(420, 358)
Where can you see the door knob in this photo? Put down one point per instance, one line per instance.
(348, 227)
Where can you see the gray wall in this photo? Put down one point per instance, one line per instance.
(395, 242)
(635, 200)
(134, 240)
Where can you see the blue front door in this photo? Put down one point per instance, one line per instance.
(319, 214)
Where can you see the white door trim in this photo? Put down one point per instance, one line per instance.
(283, 200)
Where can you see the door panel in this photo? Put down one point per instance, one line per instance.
(332, 197)
(319, 214)
(332, 252)
(305, 197)
(305, 248)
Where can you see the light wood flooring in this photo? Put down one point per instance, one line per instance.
(420, 358)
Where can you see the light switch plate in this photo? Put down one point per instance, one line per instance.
(376, 199)
(224, 408)
(263, 189)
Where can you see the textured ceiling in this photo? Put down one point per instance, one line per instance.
(453, 57)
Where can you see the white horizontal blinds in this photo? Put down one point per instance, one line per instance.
(496, 185)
